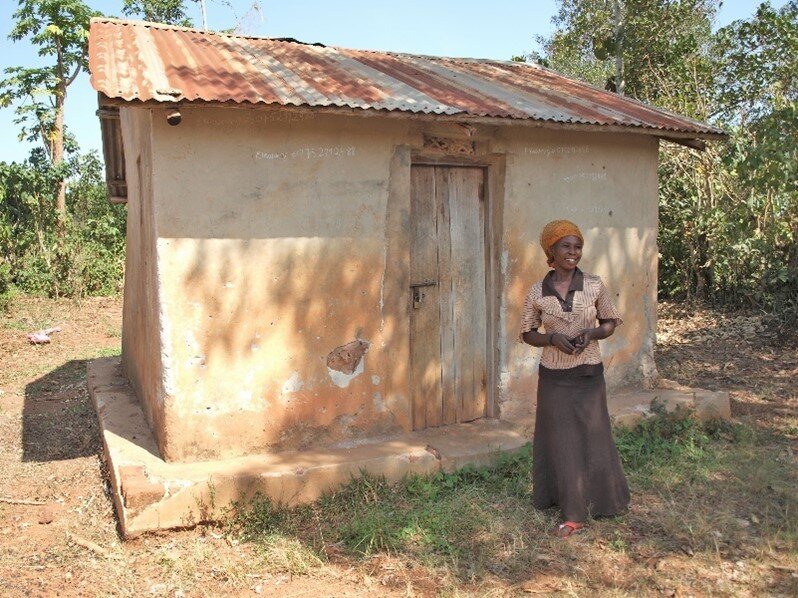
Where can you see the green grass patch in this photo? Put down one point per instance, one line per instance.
(448, 519)
(695, 479)
(105, 352)
(20, 324)
(719, 486)
(674, 447)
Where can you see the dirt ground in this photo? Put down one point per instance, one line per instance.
(58, 531)
(740, 353)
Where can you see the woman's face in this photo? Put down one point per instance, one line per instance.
(567, 252)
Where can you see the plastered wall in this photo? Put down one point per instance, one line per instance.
(607, 185)
(283, 326)
(142, 339)
(282, 303)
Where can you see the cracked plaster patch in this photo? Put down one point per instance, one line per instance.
(345, 363)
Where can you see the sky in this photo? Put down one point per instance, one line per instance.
(473, 28)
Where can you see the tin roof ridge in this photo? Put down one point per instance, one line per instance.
(168, 26)
(429, 56)
(286, 39)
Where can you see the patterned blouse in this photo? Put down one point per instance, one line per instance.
(587, 300)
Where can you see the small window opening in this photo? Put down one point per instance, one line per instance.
(113, 152)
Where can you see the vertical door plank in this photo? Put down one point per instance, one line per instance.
(468, 284)
(425, 326)
(479, 407)
(450, 401)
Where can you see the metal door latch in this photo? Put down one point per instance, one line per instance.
(418, 294)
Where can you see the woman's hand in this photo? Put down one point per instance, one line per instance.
(603, 330)
(561, 342)
(584, 337)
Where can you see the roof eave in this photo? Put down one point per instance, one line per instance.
(692, 139)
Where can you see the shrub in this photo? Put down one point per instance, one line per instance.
(86, 258)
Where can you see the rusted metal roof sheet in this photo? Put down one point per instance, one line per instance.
(133, 60)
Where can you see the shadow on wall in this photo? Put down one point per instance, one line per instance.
(277, 310)
(58, 419)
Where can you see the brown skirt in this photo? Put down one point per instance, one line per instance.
(575, 462)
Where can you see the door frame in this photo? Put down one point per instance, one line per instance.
(494, 166)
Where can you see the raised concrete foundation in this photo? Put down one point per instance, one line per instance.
(628, 408)
(151, 494)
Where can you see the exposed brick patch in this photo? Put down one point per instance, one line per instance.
(346, 358)
(131, 471)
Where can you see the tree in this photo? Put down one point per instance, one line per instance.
(54, 239)
(729, 215)
(758, 91)
(758, 63)
(618, 44)
(172, 12)
(88, 258)
(60, 30)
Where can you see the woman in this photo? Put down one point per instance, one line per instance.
(575, 462)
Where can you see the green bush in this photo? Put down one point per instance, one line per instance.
(6, 288)
(728, 238)
(729, 216)
(86, 257)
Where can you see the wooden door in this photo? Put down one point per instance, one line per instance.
(448, 328)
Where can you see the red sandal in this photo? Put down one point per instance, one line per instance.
(569, 528)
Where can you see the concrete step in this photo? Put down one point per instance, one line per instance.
(628, 408)
(151, 494)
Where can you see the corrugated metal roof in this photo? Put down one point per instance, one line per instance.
(133, 60)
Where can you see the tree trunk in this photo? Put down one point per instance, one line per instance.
(58, 157)
(58, 142)
(617, 17)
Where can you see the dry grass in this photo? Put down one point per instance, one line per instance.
(720, 523)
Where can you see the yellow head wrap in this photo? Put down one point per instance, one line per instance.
(553, 232)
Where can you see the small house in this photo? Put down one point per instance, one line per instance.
(330, 247)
